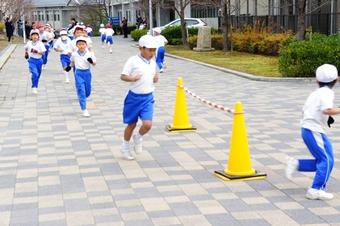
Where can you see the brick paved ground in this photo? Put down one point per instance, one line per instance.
(58, 168)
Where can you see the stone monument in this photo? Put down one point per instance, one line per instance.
(204, 39)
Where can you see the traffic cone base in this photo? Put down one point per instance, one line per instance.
(226, 177)
(170, 128)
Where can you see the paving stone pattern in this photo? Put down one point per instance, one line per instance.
(58, 168)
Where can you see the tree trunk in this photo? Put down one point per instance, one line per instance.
(301, 20)
(226, 26)
(184, 29)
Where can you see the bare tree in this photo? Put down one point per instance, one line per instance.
(301, 19)
(14, 9)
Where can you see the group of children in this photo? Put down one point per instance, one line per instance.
(141, 71)
(76, 54)
(106, 35)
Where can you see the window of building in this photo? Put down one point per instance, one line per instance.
(47, 15)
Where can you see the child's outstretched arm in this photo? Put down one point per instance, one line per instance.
(331, 111)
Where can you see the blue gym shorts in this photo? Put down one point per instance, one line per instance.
(109, 39)
(138, 106)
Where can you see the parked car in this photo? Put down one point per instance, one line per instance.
(190, 22)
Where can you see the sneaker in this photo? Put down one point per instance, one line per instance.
(86, 113)
(67, 80)
(138, 144)
(161, 70)
(320, 194)
(43, 67)
(291, 167)
(126, 152)
(110, 50)
(34, 90)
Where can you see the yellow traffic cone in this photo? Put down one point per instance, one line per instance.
(239, 165)
(181, 122)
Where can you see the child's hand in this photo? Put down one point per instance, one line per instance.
(137, 77)
(68, 68)
(34, 51)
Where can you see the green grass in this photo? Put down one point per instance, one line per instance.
(244, 62)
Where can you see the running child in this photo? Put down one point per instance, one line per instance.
(160, 52)
(82, 59)
(317, 113)
(64, 46)
(102, 34)
(109, 36)
(34, 50)
(140, 72)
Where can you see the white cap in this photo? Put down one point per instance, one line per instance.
(326, 73)
(63, 32)
(34, 31)
(101, 25)
(147, 41)
(81, 38)
(157, 30)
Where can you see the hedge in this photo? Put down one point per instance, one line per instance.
(174, 35)
(301, 58)
(258, 43)
(136, 34)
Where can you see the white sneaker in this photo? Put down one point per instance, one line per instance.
(126, 152)
(138, 144)
(34, 90)
(67, 80)
(86, 113)
(43, 67)
(110, 50)
(161, 70)
(292, 165)
(315, 194)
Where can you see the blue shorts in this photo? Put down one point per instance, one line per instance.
(65, 60)
(138, 106)
(109, 39)
(103, 37)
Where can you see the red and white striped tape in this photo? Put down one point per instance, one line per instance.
(211, 104)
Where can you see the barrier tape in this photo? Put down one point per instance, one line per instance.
(211, 104)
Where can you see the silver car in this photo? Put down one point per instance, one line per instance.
(190, 22)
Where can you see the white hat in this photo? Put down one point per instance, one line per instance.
(101, 25)
(34, 31)
(157, 30)
(147, 41)
(326, 73)
(63, 32)
(81, 38)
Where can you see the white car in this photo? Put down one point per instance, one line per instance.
(191, 22)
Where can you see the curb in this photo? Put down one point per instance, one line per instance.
(242, 74)
(6, 53)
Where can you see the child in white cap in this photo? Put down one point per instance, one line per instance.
(160, 52)
(82, 59)
(102, 34)
(64, 46)
(140, 72)
(317, 113)
(34, 50)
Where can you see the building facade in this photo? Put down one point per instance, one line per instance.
(55, 12)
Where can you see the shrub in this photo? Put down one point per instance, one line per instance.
(301, 58)
(136, 34)
(2, 27)
(174, 34)
(258, 41)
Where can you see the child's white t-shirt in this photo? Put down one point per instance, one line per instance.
(137, 65)
(88, 29)
(39, 46)
(66, 46)
(80, 59)
(318, 101)
(109, 31)
(102, 30)
(160, 40)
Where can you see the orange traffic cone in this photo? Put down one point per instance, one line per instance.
(181, 122)
(239, 165)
